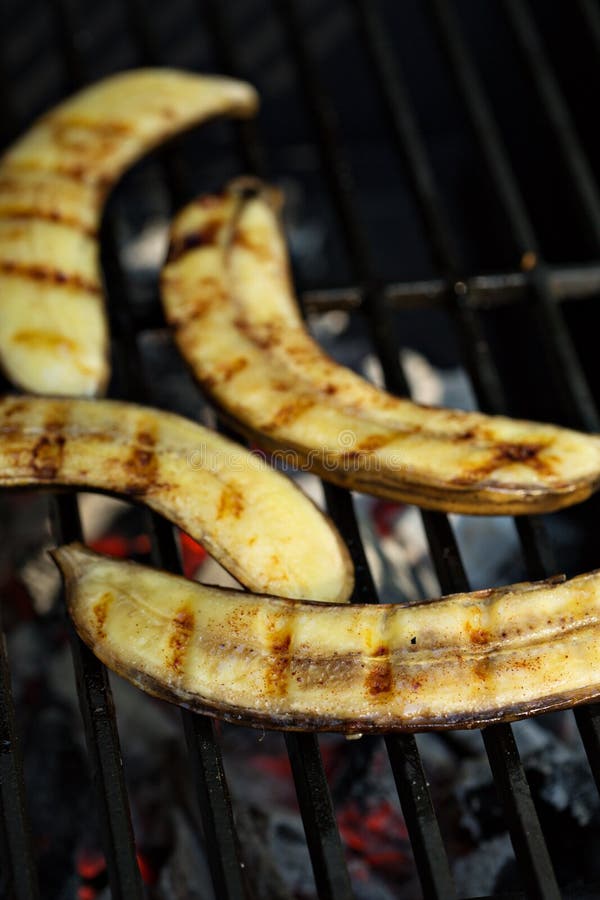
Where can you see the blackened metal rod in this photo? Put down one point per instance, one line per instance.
(251, 148)
(528, 841)
(102, 739)
(489, 291)
(578, 404)
(588, 722)
(505, 761)
(407, 768)
(320, 828)
(18, 865)
(215, 806)
(591, 15)
(406, 134)
(555, 108)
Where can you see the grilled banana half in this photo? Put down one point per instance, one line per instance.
(227, 292)
(53, 182)
(463, 661)
(253, 520)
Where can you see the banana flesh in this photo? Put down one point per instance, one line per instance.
(53, 182)
(227, 292)
(252, 519)
(464, 661)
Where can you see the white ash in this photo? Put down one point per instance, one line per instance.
(477, 873)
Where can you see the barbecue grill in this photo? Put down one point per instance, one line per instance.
(52, 47)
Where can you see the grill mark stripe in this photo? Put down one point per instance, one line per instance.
(100, 611)
(61, 123)
(379, 679)
(48, 451)
(16, 213)
(142, 463)
(228, 370)
(80, 174)
(49, 275)
(290, 412)
(179, 639)
(231, 503)
(278, 663)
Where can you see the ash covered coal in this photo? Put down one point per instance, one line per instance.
(565, 798)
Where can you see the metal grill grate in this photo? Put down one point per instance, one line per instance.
(543, 287)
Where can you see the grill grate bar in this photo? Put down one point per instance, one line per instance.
(316, 809)
(509, 776)
(409, 776)
(575, 161)
(102, 739)
(215, 807)
(511, 782)
(19, 876)
(588, 722)
(483, 292)
(591, 16)
(577, 401)
(251, 148)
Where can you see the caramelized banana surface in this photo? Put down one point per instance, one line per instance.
(252, 519)
(53, 182)
(463, 661)
(227, 293)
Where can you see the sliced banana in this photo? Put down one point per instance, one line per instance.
(460, 662)
(53, 182)
(252, 519)
(227, 292)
